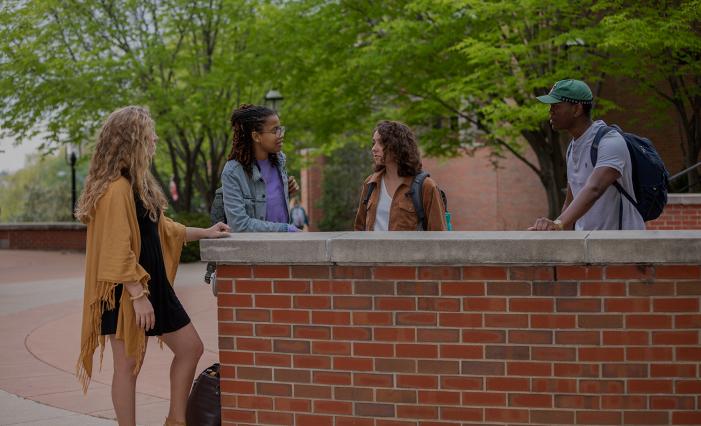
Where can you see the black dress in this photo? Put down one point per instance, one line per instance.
(169, 312)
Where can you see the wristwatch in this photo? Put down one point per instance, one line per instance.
(558, 224)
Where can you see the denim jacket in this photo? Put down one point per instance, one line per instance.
(244, 198)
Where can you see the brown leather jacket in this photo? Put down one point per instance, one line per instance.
(402, 216)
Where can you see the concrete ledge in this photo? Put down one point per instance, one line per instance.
(517, 247)
(644, 247)
(273, 247)
(456, 247)
(684, 199)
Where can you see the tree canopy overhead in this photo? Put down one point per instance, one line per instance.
(658, 45)
(68, 63)
(464, 73)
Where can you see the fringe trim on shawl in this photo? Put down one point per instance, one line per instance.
(105, 300)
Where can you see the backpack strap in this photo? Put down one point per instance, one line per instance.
(371, 187)
(216, 213)
(594, 154)
(416, 194)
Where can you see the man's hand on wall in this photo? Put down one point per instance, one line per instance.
(545, 224)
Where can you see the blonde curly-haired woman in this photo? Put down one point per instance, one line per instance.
(132, 256)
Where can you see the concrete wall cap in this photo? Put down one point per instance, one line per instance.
(684, 199)
(504, 247)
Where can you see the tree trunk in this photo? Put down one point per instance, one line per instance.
(691, 123)
(693, 148)
(186, 194)
(177, 205)
(691, 157)
(552, 170)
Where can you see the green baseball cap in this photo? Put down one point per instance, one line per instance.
(573, 91)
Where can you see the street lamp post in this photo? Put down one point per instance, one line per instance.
(73, 159)
(71, 155)
(272, 98)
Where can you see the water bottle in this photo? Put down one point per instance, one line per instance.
(447, 221)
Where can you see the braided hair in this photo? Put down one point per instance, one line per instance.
(245, 120)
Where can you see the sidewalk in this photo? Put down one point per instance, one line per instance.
(40, 314)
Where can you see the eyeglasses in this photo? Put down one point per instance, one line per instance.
(279, 131)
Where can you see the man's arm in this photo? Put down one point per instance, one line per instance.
(568, 198)
(566, 203)
(596, 185)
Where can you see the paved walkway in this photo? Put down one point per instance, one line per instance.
(40, 314)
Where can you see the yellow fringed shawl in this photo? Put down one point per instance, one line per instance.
(112, 257)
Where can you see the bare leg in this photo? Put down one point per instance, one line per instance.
(123, 384)
(187, 348)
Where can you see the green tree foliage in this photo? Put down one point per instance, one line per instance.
(40, 192)
(465, 73)
(658, 43)
(67, 63)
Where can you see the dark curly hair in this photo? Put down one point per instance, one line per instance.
(398, 139)
(245, 120)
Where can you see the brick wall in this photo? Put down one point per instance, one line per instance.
(311, 187)
(428, 346)
(43, 236)
(661, 127)
(678, 217)
(484, 198)
(683, 211)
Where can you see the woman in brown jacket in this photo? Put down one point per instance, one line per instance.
(390, 207)
(132, 254)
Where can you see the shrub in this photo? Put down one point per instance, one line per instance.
(344, 172)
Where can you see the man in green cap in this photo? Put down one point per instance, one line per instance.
(592, 202)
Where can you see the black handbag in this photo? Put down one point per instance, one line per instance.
(203, 404)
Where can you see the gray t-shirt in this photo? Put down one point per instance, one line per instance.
(613, 153)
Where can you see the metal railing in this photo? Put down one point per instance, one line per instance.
(682, 173)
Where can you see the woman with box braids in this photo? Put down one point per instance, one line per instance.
(244, 121)
(255, 184)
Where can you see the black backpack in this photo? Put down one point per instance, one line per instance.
(650, 177)
(417, 199)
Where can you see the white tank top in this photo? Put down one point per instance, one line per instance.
(382, 213)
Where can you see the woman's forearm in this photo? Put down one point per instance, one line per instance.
(194, 234)
(218, 230)
(134, 288)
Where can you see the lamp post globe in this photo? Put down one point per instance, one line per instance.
(272, 98)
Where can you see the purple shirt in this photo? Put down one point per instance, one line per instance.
(275, 206)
